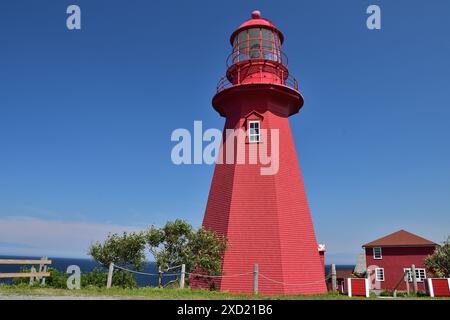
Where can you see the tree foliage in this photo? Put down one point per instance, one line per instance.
(178, 243)
(127, 249)
(439, 262)
(207, 248)
(169, 245)
(173, 244)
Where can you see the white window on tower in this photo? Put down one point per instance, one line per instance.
(421, 274)
(253, 133)
(379, 273)
(377, 253)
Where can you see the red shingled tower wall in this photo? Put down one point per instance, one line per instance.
(266, 218)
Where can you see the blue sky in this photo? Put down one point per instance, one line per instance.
(86, 116)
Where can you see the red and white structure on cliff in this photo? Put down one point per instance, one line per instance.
(265, 218)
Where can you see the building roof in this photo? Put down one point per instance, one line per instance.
(342, 274)
(400, 238)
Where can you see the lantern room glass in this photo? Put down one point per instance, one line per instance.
(256, 43)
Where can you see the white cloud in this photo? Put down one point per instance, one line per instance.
(40, 237)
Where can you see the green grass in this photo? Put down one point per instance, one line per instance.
(164, 294)
(152, 293)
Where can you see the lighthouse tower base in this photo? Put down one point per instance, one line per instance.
(266, 220)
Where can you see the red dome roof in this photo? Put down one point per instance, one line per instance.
(257, 21)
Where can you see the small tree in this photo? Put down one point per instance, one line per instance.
(169, 245)
(126, 250)
(439, 262)
(177, 243)
(206, 249)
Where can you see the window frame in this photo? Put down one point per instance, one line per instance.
(250, 135)
(376, 274)
(375, 256)
(268, 49)
(418, 271)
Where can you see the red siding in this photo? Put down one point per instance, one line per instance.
(441, 287)
(394, 260)
(358, 287)
(266, 218)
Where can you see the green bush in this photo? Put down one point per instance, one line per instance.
(438, 264)
(421, 294)
(386, 293)
(95, 278)
(125, 249)
(178, 243)
(173, 244)
(57, 278)
(124, 279)
(98, 278)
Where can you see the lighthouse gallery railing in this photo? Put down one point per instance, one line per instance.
(290, 82)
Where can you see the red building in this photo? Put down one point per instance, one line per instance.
(265, 217)
(341, 279)
(389, 257)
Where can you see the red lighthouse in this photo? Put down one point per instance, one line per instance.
(265, 217)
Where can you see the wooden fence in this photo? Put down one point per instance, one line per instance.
(33, 274)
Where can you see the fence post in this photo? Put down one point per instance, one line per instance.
(255, 278)
(407, 281)
(43, 268)
(368, 284)
(182, 276)
(414, 279)
(32, 270)
(160, 272)
(333, 278)
(110, 275)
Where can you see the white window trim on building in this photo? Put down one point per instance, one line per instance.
(254, 137)
(377, 278)
(421, 274)
(375, 256)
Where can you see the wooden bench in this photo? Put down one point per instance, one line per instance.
(33, 274)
